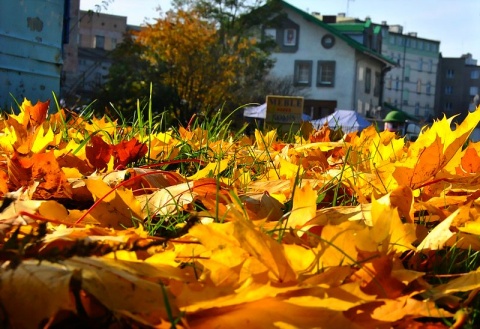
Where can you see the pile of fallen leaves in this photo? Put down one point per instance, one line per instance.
(365, 232)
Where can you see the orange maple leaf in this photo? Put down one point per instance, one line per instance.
(36, 114)
(98, 153)
(128, 152)
(42, 169)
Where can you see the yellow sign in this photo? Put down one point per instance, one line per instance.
(284, 109)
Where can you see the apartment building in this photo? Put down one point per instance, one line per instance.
(411, 85)
(459, 85)
(93, 36)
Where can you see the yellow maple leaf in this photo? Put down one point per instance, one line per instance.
(265, 249)
(288, 170)
(212, 169)
(264, 142)
(121, 286)
(304, 206)
(433, 149)
(405, 306)
(117, 209)
(42, 139)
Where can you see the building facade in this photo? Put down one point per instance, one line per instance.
(459, 85)
(87, 62)
(331, 69)
(411, 86)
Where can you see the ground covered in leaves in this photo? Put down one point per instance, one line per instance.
(109, 226)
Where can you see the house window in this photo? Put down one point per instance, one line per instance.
(376, 88)
(326, 73)
(389, 83)
(473, 91)
(397, 83)
(290, 37)
(328, 41)
(448, 106)
(450, 73)
(99, 42)
(303, 73)
(368, 80)
(448, 90)
(407, 73)
(395, 102)
(271, 34)
(114, 43)
(429, 88)
(417, 108)
(430, 65)
(406, 95)
(414, 43)
(419, 86)
(475, 74)
(420, 65)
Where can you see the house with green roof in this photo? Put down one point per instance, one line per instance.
(332, 69)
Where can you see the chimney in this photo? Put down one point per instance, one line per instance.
(412, 34)
(330, 19)
(396, 29)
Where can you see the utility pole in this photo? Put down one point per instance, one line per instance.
(348, 5)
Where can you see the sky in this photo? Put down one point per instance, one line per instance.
(456, 24)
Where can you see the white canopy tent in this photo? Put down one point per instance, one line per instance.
(259, 112)
(348, 120)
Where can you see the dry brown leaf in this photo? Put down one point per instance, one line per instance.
(34, 292)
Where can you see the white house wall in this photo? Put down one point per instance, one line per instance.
(366, 102)
(310, 48)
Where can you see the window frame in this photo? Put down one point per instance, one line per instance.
(473, 90)
(99, 45)
(326, 64)
(376, 84)
(296, 73)
(368, 80)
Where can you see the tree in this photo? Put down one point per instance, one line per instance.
(209, 55)
(129, 80)
(273, 85)
(237, 20)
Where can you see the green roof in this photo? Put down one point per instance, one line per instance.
(352, 43)
(349, 27)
